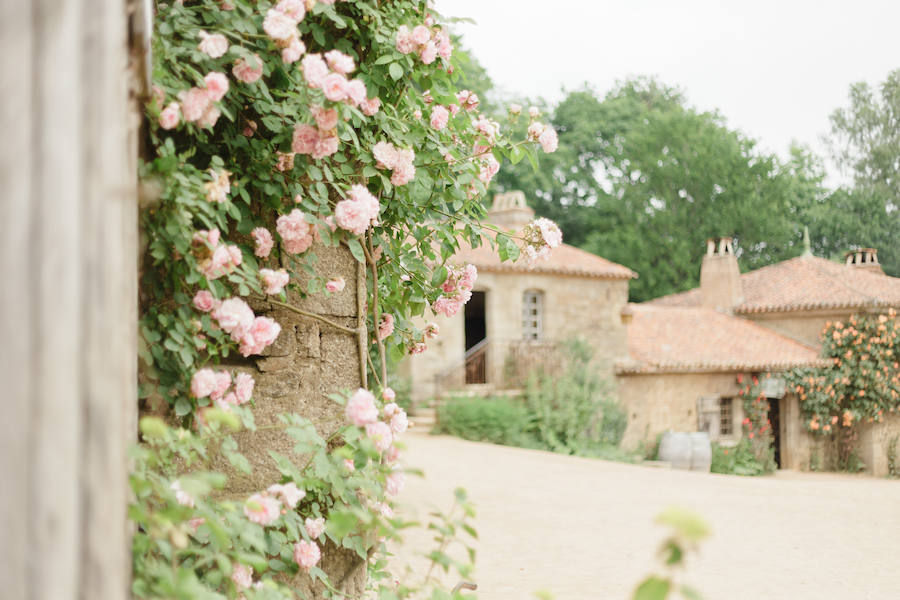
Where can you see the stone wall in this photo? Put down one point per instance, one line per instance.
(572, 307)
(656, 403)
(874, 444)
(803, 327)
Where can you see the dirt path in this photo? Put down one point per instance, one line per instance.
(583, 528)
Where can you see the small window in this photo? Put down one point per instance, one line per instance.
(726, 422)
(532, 309)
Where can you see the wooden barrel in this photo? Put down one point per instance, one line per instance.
(675, 448)
(701, 452)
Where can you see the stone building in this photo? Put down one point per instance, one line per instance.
(519, 313)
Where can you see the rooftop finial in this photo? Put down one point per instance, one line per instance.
(807, 250)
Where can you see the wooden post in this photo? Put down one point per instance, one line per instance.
(68, 301)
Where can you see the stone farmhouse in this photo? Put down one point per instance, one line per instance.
(675, 360)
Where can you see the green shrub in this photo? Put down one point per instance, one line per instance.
(737, 460)
(499, 420)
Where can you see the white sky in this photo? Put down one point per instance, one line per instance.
(774, 69)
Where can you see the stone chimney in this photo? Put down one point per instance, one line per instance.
(720, 277)
(510, 211)
(865, 259)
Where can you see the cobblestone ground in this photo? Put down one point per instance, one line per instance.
(583, 528)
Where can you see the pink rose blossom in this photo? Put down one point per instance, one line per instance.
(314, 527)
(418, 348)
(535, 130)
(216, 85)
(404, 41)
(210, 117)
(325, 146)
(295, 9)
(306, 554)
(262, 333)
(204, 301)
(295, 231)
(399, 422)
(339, 62)
(203, 383)
(243, 387)
(314, 70)
(289, 494)
(454, 108)
(534, 112)
(428, 53)
(335, 87)
(386, 327)
(352, 216)
(348, 463)
(550, 231)
(223, 382)
(274, 281)
(468, 277)
(305, 139)
(249, 128)
(263, 240)
(169, 117)
(325, 118)
(439, 117)
(549, 140)
(195, 523)
(279, 26)
(285, 161)
(395, 483)
(444, 45)
(335, 285)
(242, 576)
(262, 510)
(293, 51)
(420, 34)
(248, 72)
(403, 174)
(370, 106)
(392, 455)
(388, 395)
(360, 409)
(194, 103)
(234, 317)
(356, 92)
(182, 497)
(385, 155)
(380, 434)
(446, 306)
(431, 330)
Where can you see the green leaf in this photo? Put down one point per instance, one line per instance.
(356, 250)
(182, 407)
(395, 70)
(652, 588)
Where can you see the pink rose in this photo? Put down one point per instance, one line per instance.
(234, 317)
(214, 45)
(325, 119)
(360, 409)
(279, 26)
(335, 285)
(285, 161)
(550, 231)
(243, 387)
(194, 103)
(223, 382)
(339, 61)
(262, 333)
(264, 242)
(203, 383)
(385, 155)
(293, 51)
(326, 146)
(388, 395)
(204, 301)
(335, 87)
(431, 330)
(399, 422)
(392, 455)
(418, 348)
(289, 494)
(534, 112)
(549, 140)
(274, 281)
(305, 139)
(386, 327)
(216, 85)
(314, 527)
(248, 72)
(370, 106)
(262, 509)
(380, 434)
(314, 70)
(352, 216)
(404, 40)
(210, 116)
(403, 174)
(295, 231)
(439, 117)
(428, 53)
(394, 483)
(306, 554)
(446, 306)
(295, 9)
(356, 92)
(182, 497)
(242, 576)
(169, 117)
(420, 34)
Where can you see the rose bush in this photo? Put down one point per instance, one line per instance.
(274, 127)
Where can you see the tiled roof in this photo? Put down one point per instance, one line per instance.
(695, 340)
(804, 283)
(563, 260)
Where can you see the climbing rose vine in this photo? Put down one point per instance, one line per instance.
(276, 130)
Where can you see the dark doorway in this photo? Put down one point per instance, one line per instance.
(476, 324)
(775, 424)
(476, 332)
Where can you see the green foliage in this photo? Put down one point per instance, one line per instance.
(687, 531)
(642, 178)
(757, 429)
(737, 460)
(893, 463)
(499, 420)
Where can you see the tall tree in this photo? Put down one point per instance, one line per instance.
(643, 179)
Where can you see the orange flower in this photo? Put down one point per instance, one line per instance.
(834, 419)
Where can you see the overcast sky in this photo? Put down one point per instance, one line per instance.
(774, 69)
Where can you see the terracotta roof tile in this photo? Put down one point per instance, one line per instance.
(678, 340)
(804, 283)
(563, 260)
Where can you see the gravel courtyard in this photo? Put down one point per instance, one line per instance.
(583, 528)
